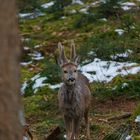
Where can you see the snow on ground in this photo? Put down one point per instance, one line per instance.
(37, 46)
(54, 86)
(119, 31)
(95, 3)
(98, 70)
(64, 17)
(84, 10)
(25, 39)
(36, 55)
(24, 85)
(129, 137)
(77, 2)
(122, 55)
(26, 63)
(127, 5)
(105, 71)
(35, 77)
(31, 15)
(47, 5)
(137, 120)
(73, 11)
(124, 85)
(39, 83)
(24, 15)
(103, 19)
(26, 48)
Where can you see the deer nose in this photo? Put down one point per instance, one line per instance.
(71, 79)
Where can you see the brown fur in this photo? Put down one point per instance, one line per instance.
(74, 96)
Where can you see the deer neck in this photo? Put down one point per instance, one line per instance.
(69, 93)
(70, 88)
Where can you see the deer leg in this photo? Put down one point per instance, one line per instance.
(75, 129)
(87, 125)
(68, 125)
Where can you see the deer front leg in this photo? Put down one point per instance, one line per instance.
(68, 125)
(75, 129)
(87, 125)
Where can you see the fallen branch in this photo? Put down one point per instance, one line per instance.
(122, 116)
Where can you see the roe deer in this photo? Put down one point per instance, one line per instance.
(74, 94)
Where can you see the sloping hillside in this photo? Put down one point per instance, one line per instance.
(107, 38)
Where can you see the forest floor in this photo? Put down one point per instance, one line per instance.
(109, 114)
(106, 116)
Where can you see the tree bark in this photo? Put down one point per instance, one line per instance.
(10, 128)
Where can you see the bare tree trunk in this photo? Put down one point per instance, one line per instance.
(10, 128)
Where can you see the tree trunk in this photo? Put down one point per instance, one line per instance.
(10, 128)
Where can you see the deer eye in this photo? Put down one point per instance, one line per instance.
(65, 71)
(75, 70)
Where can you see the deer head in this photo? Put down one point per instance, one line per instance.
(68, 66)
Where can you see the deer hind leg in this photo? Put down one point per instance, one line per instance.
(87, 125)
(68, 125)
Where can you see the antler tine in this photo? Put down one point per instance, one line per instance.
(62, 53)
(73, 52)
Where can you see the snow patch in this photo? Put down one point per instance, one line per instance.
(77, 2)
(129, 137)
(25, 15)
(72, 11)
(127, 5)
(30, 15)
(119, 31)
(23, 87)
(26, 63)
(35, 77)
(103, 19)
(36, 55)
(105, 71)
(95, 3)
(124, 85)
(55, 86)
(122, 55)
(26, 48)
(64, 17)
(47, 5)
(39, 83)
(137, 120)
(37, 46)
(84, 10)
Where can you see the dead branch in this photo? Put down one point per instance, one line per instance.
(122, 116)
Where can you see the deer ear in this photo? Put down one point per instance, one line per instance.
(62, 58)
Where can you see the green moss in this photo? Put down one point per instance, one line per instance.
(26, 74)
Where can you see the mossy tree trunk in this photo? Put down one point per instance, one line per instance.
(10, 128)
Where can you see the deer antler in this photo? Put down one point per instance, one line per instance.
(73, 52)
(73, 57)
(62, 58)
